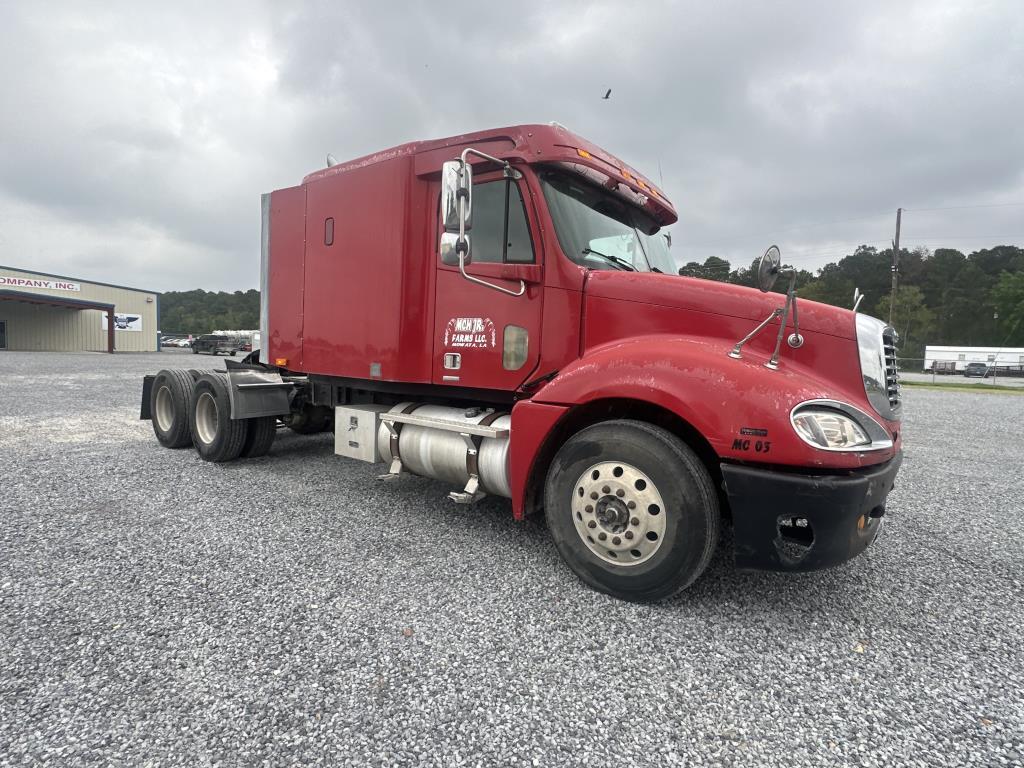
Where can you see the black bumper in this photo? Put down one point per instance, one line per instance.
(785, 521)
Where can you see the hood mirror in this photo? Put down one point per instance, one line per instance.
(768, 269)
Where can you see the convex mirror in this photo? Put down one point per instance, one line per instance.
(449, 249)
(768, 269)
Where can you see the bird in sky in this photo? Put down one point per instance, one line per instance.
(607, 95)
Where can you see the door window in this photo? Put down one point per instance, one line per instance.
(3, 334)
(489, 224)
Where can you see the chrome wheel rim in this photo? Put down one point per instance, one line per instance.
(164, 409)
(618, 513)
(206, 418)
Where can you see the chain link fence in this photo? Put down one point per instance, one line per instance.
(959, 371)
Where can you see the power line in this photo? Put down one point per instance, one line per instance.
(799, 227)
(941, 238)
(968, 207)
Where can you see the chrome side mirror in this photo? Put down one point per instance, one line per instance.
(456, 210)
(450, 249)
(457, 214)
(456, 180)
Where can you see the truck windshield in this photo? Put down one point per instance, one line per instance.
(599, 231)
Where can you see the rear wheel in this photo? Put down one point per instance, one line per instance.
(216, 435)
(632, 510)
(260, 437)
(169, 408)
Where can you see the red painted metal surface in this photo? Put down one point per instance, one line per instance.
(287, 268)
(378, 303)
(366, 296)
(531, 423)
(471, 319)
(717, 395)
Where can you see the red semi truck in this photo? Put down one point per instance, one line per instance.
(500, 311)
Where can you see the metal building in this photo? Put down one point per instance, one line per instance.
(40, 311)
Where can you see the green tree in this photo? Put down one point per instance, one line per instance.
(201, 311)
(1008, 298)
(911, 318)
(713, 268)
(837, 291)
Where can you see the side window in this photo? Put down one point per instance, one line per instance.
(489, 223)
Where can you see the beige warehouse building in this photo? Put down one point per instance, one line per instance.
(40, 311)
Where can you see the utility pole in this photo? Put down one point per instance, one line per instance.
(895, 262)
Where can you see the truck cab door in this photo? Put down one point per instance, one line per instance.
(484, 338)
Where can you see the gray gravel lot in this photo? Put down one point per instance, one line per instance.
(155, 609)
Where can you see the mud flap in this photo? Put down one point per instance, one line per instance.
(147, 395)
(255, 391)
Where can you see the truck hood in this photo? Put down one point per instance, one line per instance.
(716, 298)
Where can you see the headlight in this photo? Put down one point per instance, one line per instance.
(834, 426)
(828, 429)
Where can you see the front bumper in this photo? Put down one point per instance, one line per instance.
(786, 521)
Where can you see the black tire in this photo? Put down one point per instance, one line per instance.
(195, 351)
(309, 420)
(260, 437)
(216, 435)
(690, 519)
(172, 393)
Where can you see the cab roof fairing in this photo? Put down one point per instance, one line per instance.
(532, 144)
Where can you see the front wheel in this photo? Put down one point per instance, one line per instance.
(632, 510)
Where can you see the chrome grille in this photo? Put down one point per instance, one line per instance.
(892, 378)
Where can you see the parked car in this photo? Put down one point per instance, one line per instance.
(213, 344)
(977, 369)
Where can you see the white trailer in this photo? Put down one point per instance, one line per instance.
(954, 359)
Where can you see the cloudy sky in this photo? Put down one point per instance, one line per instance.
(137, 137)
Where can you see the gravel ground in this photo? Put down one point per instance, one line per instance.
(155, 609)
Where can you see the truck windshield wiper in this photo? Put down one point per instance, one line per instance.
(621, 263)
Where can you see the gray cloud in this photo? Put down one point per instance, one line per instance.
(136, 139)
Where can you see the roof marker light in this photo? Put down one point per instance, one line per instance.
(582, 153)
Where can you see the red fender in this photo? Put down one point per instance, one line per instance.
(741, 408)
